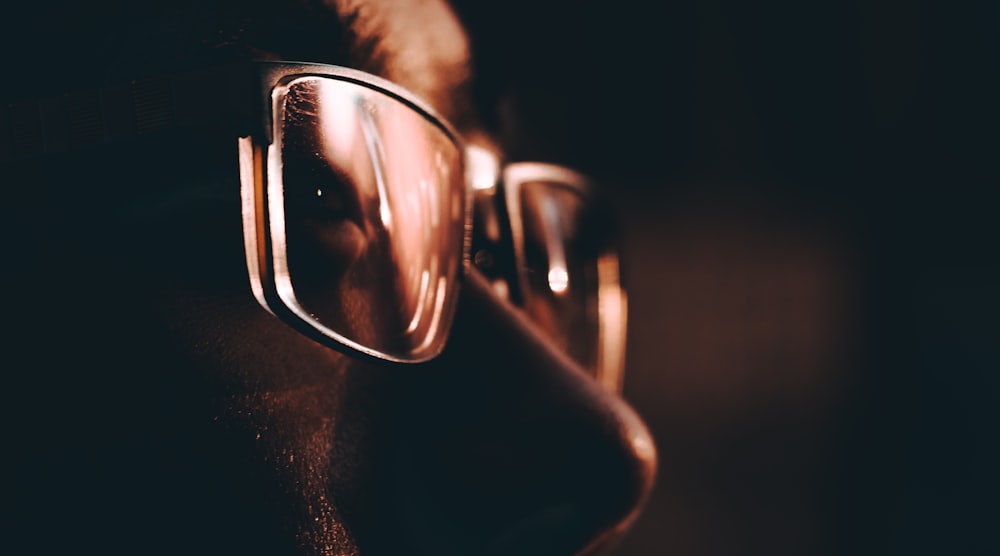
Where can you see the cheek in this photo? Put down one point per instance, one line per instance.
(302, 420)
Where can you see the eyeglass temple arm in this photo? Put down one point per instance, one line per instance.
(42, 126)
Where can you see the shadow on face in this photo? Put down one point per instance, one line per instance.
(156, 407)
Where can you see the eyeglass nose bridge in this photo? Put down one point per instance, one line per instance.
(492, 250)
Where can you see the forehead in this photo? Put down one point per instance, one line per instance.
(418, 44)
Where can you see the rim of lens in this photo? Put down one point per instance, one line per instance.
(269, 279)
(612, 296)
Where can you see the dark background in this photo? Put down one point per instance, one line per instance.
(807, 201)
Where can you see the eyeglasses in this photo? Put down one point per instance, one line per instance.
(547, 240)
(357, 206)
(355, 203)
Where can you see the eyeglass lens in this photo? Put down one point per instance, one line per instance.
(372, 198)
(570, 276)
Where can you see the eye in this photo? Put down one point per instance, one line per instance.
(330, 199)
(315, 191)
(325, 232)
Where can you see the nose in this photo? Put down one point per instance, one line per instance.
(508, 447)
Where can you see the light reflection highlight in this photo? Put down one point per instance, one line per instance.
(558, 279)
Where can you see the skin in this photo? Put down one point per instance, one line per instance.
(155, 407)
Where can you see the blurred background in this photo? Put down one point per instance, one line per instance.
(808, 211)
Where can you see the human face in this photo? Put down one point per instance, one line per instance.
(174, 414)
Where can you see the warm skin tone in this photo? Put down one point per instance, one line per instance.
(176, 416)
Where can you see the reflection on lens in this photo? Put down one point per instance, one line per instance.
(560, 267)
(569, 281)
(367, 208)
